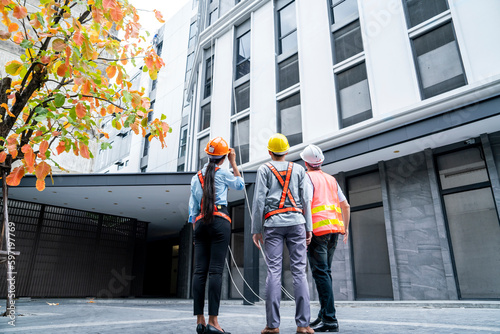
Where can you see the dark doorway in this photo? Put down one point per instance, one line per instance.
(160, 276)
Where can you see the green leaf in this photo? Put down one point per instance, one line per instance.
(26, 44)
(40, 18)
(163, 117)
(105, 146)
(59, 100)
(127, 96)
(169, 130)
(13, 67)
(41, 118)
(145, 69)
(144, 122)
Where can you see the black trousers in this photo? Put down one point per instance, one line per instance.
(210, 249)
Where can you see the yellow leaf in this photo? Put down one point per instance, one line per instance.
(13, 67)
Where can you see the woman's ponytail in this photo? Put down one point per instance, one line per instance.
(208, 198)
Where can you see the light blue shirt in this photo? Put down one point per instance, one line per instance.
(224, 179)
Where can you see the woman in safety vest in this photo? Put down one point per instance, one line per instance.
(212, 228)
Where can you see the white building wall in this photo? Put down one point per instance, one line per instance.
(317, 90)
(477, 27)
(390, 68)
(262, 81)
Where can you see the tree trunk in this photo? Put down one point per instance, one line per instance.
(10, 280)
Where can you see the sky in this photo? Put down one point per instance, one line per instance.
(167, 8)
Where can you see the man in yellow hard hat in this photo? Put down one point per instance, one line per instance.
(281, 215)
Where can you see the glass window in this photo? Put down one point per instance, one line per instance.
(462, 168)
(347, 41)
(205, 117)
(180, 168)
(344, 10)
(241, 140)
(438, 60)
(146, 146)
(192, 34)
(159, 48)
(190, 61)
(183, 141)
(354, 95)
(202, 155)
(214, 15)
(290, 120)
(364, 189)
(288, 71)
(208, 77)
(143, 169)
(243, 55)
(422, 10)
(287, 29)
(242, 96)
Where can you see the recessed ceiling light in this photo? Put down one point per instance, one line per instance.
(396, 151)
(143, 208)
(121, 213)
(35, 198)
(85, 198)
(54, 192)
(109, 191)
(173, 212)
(115, 203)
(139, 197)
(167, 203)
(93, 208)
(65, 203)
(167, 191)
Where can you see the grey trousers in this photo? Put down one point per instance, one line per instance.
(295, 239)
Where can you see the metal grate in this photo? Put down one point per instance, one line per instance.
(73, 253)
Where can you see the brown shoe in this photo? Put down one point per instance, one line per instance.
(269, 330)
(305, 330)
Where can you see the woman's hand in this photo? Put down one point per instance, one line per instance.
(232, 156)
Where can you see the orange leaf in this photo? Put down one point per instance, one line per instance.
(86, 88)
(3, 156)
(44, 145)
(13, 27)
(78, 38)
(12, 146)
(111, 71)
(45, 59)
(124, 59)
(81, 111)
(40, 185)
(158, 16)
(61, 70)
(20, 12)
(42, 170)
(29, 157)
(15, 176)
(75, 150)
(84, 151)
(61, 147)
(103, 111)
(58, 45)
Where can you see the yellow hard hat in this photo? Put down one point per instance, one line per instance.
(278, 144)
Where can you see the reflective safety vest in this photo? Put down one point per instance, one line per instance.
(325, 208)
(216, 211)
(284, 179)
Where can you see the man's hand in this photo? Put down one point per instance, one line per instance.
(257, 237)
(309, 236)
(346, 236)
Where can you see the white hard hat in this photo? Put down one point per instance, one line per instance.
(313, 155)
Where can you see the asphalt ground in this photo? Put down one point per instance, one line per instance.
(125, 316)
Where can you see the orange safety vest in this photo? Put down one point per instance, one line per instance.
(325, 208)
(284, 179)
(216, 211)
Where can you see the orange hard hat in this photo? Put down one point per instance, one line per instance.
(217, 147)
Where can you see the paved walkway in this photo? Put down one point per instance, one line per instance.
(126, 316)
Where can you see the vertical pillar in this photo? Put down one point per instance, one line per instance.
(388, 230)
(492, 170)
(250, 253)
(441, 228)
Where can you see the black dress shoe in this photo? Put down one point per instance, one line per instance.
(200, 329)
(315, 322)
(212, 329)
(326, 327)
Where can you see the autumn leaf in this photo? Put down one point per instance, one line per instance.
(78, 38)
(15, 176)
(44, 145)
(4, 35)
(60, 147)
(81, 111)
(58, 45)
(84, 151)
(3, 156)
(13, 27)
(12, 146)
(29, 157)
(13, 67)
(20, 12)
(45, 59)
(111, 71)
(158, 16)
(61, 70)
(40, 185)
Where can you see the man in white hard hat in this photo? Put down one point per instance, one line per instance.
(330, 216)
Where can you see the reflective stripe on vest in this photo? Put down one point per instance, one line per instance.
(325, 208)
(286, 191)
(216, 211)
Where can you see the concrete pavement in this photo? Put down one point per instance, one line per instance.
(126, 316)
